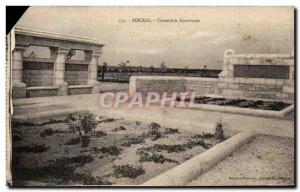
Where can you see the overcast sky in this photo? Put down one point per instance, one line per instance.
(245, 29)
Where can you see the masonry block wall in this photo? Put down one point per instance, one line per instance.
(76, 74)
(38, 73)
(59, 74)
(266, 76)
(158, 84)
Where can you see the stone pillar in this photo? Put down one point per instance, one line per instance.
(93, 71)
(18, 86)
(225, 70)
(59, 70)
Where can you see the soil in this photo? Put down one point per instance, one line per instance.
(264, 161)
(258, 104)
(47, 153)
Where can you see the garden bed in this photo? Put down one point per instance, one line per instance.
(114, 152)
(243, 103)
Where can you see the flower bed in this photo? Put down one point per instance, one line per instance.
(243, 103)
(88, 150)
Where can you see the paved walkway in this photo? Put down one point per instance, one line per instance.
(187, 119)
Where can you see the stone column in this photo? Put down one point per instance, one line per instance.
(59, 70)
(225, 70)
(19, 87)
(93, 71)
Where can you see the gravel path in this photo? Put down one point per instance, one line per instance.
(266, 160)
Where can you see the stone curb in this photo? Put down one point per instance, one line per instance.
(245, 111)
(193, 168)
(49, 113)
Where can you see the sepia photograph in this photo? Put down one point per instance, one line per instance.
(151, 96)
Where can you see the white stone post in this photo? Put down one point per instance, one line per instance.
(59, 71)
(93, 71)
(19, 87)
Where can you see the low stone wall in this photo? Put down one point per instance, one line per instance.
(271, 89)
(266, 76)
(159, 84)
(202, 86)
(170, 84)
(41, 91)
(79, 90)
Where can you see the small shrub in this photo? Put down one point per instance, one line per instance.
(128, 171)
(167, 148)
(77, 160)
(133, 139)
(111, 150)
(73, 141)
(154, 131)
(120, 128)
(219, 132)
(171, 131)
(85, 141)
(156, 158)
(88, 124)
(46, 132)
(203, 136)
(100, 134)
(108, 120)
(196, 142)
(35, 148)
(50, 121)
(70, 118)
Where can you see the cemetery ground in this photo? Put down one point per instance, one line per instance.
(117, 151)
(123, 148)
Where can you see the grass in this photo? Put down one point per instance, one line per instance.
(127, 171)
(111, 150)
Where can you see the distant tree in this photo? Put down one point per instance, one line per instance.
(204, 71)
(151, 67)
(104, 70)
(163, 65)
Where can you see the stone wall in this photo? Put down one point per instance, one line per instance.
(34, 77)
(276, 86)
(38, 73)
(76, 74)
(79, 90)
(274, 76)
(158, 84)
(45, 92)
(170, 84)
